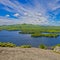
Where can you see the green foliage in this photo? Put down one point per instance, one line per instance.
(26, 32)
(31, 28)
(44, 35)
(25, 46)
(3, 44)
(42, 46)
(58, 45)
(55, 46)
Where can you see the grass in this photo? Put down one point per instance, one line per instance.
(58, 45)
(25, 46)
(55, 46)
(7, 44)
(31, 28)
(44, 35)
(26, 32)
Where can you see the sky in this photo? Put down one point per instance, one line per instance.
(41, 12)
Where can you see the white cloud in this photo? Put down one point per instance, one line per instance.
(54, 5)
(7, 15)
(16, 15)
(41, 21)
(28, 20)
(25, 13)
(36, 15)
(39, 14)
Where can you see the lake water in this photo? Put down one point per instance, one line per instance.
(22, 39)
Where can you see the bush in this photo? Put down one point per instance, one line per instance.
(58, 45)
(8, 44)
(42, 46)
(25, 46)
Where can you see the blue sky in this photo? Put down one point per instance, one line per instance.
(42, 12)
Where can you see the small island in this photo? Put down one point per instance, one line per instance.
(45, 35)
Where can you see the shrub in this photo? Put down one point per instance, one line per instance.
(25, 46)
(8, 44)
(58, 45)
(42, 46)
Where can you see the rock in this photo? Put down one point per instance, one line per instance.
(57, 49)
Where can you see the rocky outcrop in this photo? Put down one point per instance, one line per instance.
(57, 49)
(17, 53)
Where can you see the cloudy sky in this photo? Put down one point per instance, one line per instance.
(42, 12)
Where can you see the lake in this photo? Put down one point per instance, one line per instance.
(22, 39)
